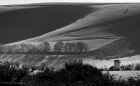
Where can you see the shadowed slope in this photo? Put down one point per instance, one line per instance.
(26, 23)
(107, 22)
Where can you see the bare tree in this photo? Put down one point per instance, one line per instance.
(30, 48)
(66, 49)
(1, 49)
(14, 48)
(70, 47)
(44, 47)
(86, 48)
(23, 48)
(41, 47)
(58, 47)
(27, 48)
(76, 47)
(81, 47)
(47, 46)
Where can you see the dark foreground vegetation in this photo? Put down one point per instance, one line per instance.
(73, 74)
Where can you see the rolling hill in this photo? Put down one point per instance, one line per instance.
(110, 30)
(104, 22)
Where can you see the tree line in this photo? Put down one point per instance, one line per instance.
(45, 47)
(70, 47)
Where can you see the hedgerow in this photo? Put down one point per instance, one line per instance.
(73, 74)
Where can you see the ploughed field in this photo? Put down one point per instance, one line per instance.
(55, 61)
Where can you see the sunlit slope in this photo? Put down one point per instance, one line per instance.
(116, 49)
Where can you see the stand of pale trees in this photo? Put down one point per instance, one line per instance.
(45, 47)
(25, 48)
(70, 47)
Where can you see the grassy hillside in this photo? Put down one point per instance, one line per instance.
(115, 49)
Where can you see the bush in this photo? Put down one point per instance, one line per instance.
(114, 69)
(137, 67)
(44, 78)
(73, 74)
(111, 68)
(127, 68)
(10, 74)
(77, 73)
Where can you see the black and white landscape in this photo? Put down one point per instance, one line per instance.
(52, 34)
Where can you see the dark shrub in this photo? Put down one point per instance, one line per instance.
(73, 74)
(11, 75)
(78, 73)
(112, 68)
(127, 68)
(137, 67)
(45, 78)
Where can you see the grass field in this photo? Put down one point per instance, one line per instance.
(124, 74)
(108, 63)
